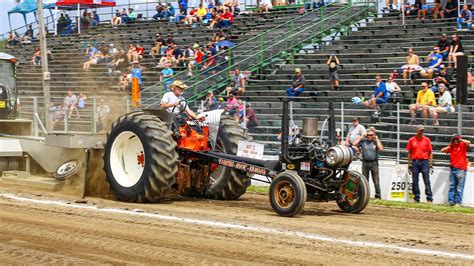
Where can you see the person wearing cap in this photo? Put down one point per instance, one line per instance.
(443, 78)
(425, 99)
(420, 160)
(370, 145)
(333, 62)
(457, 151)
(464, 18)
(380, 96)
(136, 72)
(443, 45)
(166, 77)
(445, 104)
(435, 59)
(297, 86)
(173, 98)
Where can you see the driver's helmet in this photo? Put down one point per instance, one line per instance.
(180, 84)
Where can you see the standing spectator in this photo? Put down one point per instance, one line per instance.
(455, 49)
(297, 86)
(420, 160)
(443, 45)
(136, 72)
(465, 18)
(102, 114)
(457, 150)
(238, 83)
(70, 103)
(445, 104)
(412, 65)
(166, 77)
(355, 132)
(451, 9)
(36, 59)
(424, 101)
(370, 145)
(250, 118)
(392, 87)
(333, 62)
(380, 96)
(435, 59)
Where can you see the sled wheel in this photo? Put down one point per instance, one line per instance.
(287, 194)
(227, 183)
(140, 160)
(363, 194)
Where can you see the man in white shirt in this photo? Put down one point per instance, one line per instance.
(172, 99)
(355, 132)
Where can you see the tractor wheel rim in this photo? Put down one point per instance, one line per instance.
(284, 194)
(127, 159)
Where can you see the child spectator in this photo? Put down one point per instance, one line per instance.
(58, 114)
(166, 77)
(82, 101)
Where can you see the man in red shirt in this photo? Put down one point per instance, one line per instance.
(226, 19)
(457, 150)
(420, 160)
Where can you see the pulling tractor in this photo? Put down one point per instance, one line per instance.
(151, 152)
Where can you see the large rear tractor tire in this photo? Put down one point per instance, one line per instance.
(140, 160)
(229, 184)
(363, 196)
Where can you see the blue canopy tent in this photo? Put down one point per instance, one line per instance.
(25, 7)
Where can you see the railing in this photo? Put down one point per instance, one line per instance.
(278, 47)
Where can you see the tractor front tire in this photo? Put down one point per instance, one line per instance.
(363, 196)
(140, 159)
(228, 183)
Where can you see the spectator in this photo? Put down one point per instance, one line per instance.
(95, 19)
(58, 114)
(250, 119)
(177, 53)
(424, 101)
(392, 87)
(391, 4)
(355, 132)
(12, 39)
(445, 104)
(297, 86)
(380, 96)
(465, 18)
(124, 16)
(437, 10)
(370, 145)
(216, 17)
(333, 62)
(169, 10)
(412, 65)
(183, 12)
(117, 18)
(140, 52)
(136, 72)
(457, 151)
(443, 78)
(210, 103)
(132, 53)
(188, 55)
(125, 82)
(414, 9)
(238, 83)
(443, 45)
(94, 60)
(167, 60)
(423, 11)
(70, 104)
(82, 101)
(90, 52)
(420, 160)
(265, 6)
(208, 61)
(173, 98)
(132, 15)
(112, 53)
(455, 49)
(226, 20)
(28, 36)
(156, 50)
(166, 77)
(196, 60)
(102, 114)
(232, 104)
(435, 59)
(160, 12)
(61, 22)
(451, 9)
(36, 59)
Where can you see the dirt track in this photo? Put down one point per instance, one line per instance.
(41, 233)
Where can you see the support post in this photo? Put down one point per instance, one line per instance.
(398, 133)
(459, 119)
(332, 124)
(342, 121)
(44, 65)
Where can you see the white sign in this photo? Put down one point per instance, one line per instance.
(250, 150)
(400, 186)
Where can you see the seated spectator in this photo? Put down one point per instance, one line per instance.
(112, 53)
(437, 10)
(117, 18)
(58, 114)
(156, 50)
(201, 12)
(188, 56)
(250, 120)
(124, 16)
(70, 103)
(210, 102)
(82, 101)
(140, 52)
(226, 20)
(435, 59)
(132, 15)
(443, 78)
(232, 103)
(166, 77)
(464, 19)
(94, 60)
(86, 19)
(208, 62)
(451, 9)
(379, 97)
(216, 17)
(95, 19)
(191, 17)
(443, 45)
(90, 52)
(177, 53)
(28, 36)
(238, 83)
(160, 12)
(355, 132)
(412, 10)
(196, 60)
(412, 65)
(183, 12)
(169, 11)
(297, 86)
(132, 52)
(36, 59)
(102, 115)
(423, 11)
(424, 101)
(392, 87)
(265, 6)
(125, 82)
(119, 63)
(445, 104)
(167, 60)
(455, 49)
(12, 39)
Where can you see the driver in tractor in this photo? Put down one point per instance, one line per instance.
(174, 102)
